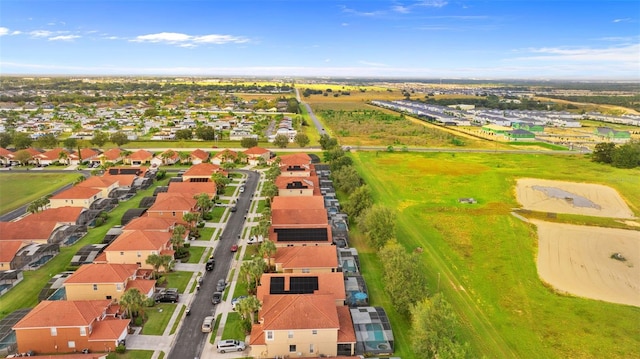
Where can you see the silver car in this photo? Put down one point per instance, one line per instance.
(230, 345)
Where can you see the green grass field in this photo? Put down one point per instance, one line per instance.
(17, 189)
(483, 259)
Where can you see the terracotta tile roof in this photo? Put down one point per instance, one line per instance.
(346, 333)
(5, 152)
(295, 159)
(32, 151)
(226, 153)
(101, 258)
(112, 154)
(257, 335)
(299, 217)
(76, 192)
(98, 182)
(143, 285)
(27, 230)
(65, 214)
(279, 202)
(202, 170)
(109, 329)
(256, 151)
(329, 283)
(291, 312)
(309, 181)
(8, 250)
(140, 155)
(174, 155)
(193, 188)
(63, 313)
(103, 273)
(139, 240)
(200, 154)
(52, 155)
(177, 202)
(307, 257)
(85, 154)
(123, 180)
(150, 224)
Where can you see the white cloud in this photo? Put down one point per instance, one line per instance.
(3, 31)
(432, 3)
(374, 64)
(626, 19)
(40, 33)
(184, 40)
(401, 9)
(63, 38)
(625, 53)
(16, 32)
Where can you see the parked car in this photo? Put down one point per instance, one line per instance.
(207, 324)
(234, 248)
(230, 345)
(235, 301)
(255, 239)
(167, 297)
(234, 208)
(210, 264)
(241, 189)
(222, 284)
(217, 298)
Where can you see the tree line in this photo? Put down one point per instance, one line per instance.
(622, 156)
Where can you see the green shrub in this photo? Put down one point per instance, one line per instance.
(120, 349)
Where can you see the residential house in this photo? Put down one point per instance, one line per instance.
(86, 155)
(138, 158)
(295, 159)
(105, 184)
(113, 155)
(298, 186)
(133, 247)
(8, 250)
(146, 223)
(168, 157)
(302, 325)
(172, 206)
(54, 155)
(63, 326)
(198, 156)
(321, 283)
(306, 259)
(29, 231)
(202, 172)
(256, 155)
(5, 156)
(106, 281)
(519, 135)
(193, 188)
(299, 221)
(224, 156)
(611, 135)
(76, 196)
(66, 215)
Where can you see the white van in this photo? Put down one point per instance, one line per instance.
(230, 345)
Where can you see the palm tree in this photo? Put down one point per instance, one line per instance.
(220, 181)
(203, 202)
(267, 249)
(247, 308)
(33, 207)
(132, 301)
(63, 156)
(177, 237)
(191, 218)
(156, 262)
(185, 157)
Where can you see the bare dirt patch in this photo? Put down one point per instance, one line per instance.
(569, 197)
(593, 262)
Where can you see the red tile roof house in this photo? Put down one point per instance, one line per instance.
(113, 155)
(63, 326)
(168, 157)
(299, 221)
(76, 197)
(8, 250)
(302, 325)
(300, 170)
(55, 155)
(202, 172)
(106, 184)
(173, 206)
(193, 188)
(85, 155)
(299, 259)
(5, 156)
(326, 283)
(106, 281)
(199, 156)
(298, 186)
(295, 159)
(147, 223)
(138, 158)
(133, 247)
(63, 215)
(255, 155)
(224, 156)
(29, 231)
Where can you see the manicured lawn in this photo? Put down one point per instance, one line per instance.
(157, 318)
(196, 254)
(233, 327)
(17, 189)
(206, 233)
(178, 279)
(132, 354)
(483, 259)
(25, 294)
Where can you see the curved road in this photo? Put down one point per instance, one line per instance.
(190, 341)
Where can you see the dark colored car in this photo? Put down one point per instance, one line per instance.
(222, 284)
(210, 264)
(217, 297)
(167, 297)
(233, 209)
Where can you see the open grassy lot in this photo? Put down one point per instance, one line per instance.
(17, 189)
(25, 294)
(157, 318)
(233, 327)
(483, 259)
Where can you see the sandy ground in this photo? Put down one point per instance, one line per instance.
(607, 202)
(577, 260)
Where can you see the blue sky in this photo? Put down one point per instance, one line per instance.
(514, 39)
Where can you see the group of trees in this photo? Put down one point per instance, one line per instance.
(38, 205)
(281, 140)
(434, 323)
(623, 156)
